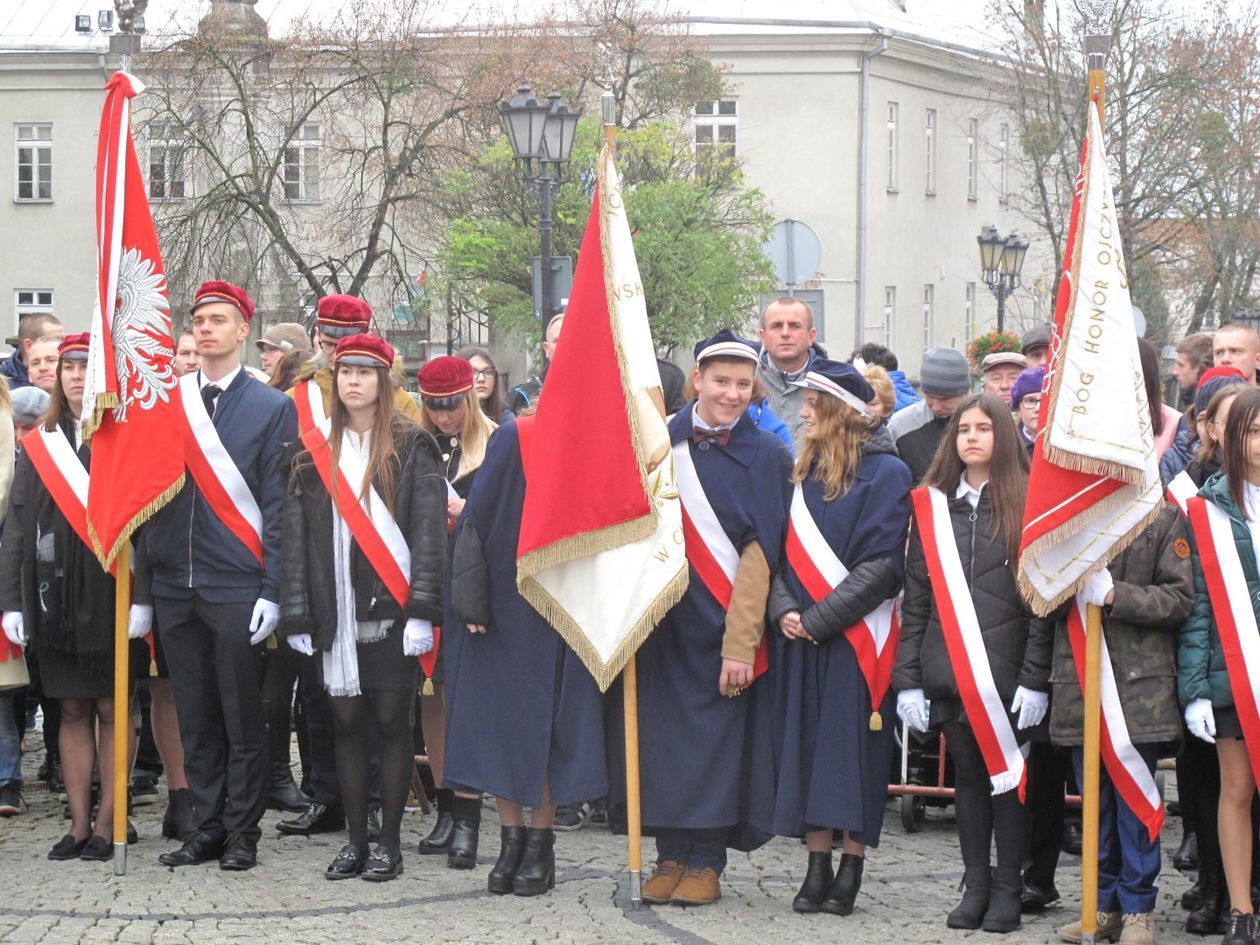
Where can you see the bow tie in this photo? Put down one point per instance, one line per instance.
(721, 437)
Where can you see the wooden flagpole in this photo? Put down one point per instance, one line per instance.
(122, 707)
(1097, 41)
(629, 676)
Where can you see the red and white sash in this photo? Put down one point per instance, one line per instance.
(214, 471)
(1125, 767)
(1235, 618)
(1181, 490)
(874, 638)
(709, 550)
(62, 474)
(373, 527)
(310, 405)
(960, 626)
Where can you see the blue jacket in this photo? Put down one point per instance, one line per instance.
(903, 389)
(186, 548)
(766, 419)
(13, 369)
(1179, 455)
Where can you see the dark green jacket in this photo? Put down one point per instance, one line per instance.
(1201, 672)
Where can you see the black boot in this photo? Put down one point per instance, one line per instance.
(439, 838)
(969, 913)
(283, 793)
(511, 850)
(1003, 912)
(169, 830)
(462, 852)
(844, 888)
(1204, 919)
(1187, 856)
(180, 819)
(818, 879)
(537, 872)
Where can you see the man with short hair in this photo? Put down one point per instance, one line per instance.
(30, 329)
(279, 340)
(999, 371)
(945, 378)
(1035, 346)
(524, 395)
(186, 358)
(1194, 356)
(787, 340)
(41, 363)
(1238, 346)
(209, 563)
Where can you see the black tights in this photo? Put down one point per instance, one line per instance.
(391, 711)
(983, 816)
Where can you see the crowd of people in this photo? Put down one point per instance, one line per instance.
(344, 551)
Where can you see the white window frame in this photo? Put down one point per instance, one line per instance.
(969, 311)
(31, 302)
(174, 147)
(1004, 143)
(305, 145)
(890, 313)
(29, 135)
(973, 154)
(929, 302)
(891, 128)
(929, 149)
(718, 117)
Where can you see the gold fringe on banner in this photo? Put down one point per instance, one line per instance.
(142, 516)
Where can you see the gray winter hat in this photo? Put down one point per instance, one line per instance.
(29, 404)
(944, 373)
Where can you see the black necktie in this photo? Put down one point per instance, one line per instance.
(208, 394)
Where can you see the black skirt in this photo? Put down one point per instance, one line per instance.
(63, 677)
(1227, 722)
(384, 665)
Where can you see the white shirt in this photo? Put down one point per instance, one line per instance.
(698, 422)
(966, 489)
(1251, 499)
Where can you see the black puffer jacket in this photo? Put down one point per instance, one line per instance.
(1018, 644)
(308, 596)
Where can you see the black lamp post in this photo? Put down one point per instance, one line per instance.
(541, 134)
(1001, 259)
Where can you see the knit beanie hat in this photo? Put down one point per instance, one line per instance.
(1028, 382)
(944, 373)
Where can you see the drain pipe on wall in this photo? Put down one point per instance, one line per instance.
(864, 107)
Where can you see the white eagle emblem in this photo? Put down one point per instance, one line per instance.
(141, 329)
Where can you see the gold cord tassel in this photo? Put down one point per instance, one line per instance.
(877, 721)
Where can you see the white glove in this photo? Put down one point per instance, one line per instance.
(1097, 587)
(14, 628)
(417, 637)
(302, 643)
(1031, 706)
(263, 621)
(1199, 717)
(139, 621)
(912, 709)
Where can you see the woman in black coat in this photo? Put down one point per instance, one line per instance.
(981, 472)
(368, 606)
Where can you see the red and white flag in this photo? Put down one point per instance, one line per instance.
(601, 553)
(1094, 483)
(130, 403)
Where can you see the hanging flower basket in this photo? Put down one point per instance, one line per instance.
(991, 343)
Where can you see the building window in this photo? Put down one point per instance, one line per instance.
(715, 125)
(890, 311)
(34, 162)
(973, 152)
(929, 293)
(31, 302)
(166, 162)
(929, 149)
(969, 311)
(301, 164)
(892, 145)
(1004, 135)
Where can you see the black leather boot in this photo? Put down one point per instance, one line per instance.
(969, 913)
(844, 888)
(462, 852)
(283, 793)
(537, 872)
(818, 879)
(511, 850)
(168, 819)
(180, 819)
(1204, 918)
(1003, 912)
(1187, 855)
(439, 838)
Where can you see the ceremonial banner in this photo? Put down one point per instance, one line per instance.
(601, 552)
(130, 407)
(1094, 483)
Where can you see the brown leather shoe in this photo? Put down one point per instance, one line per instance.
(697, 888)
(664, 879)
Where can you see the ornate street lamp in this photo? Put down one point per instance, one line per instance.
(541, 134)
(1001, 260)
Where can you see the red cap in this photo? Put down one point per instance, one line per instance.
(74, 347)
(367, 350)
(1221, 370)
(225, 292)
(341, 315)
(443, 380)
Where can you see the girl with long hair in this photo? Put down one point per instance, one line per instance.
(850, 511)
(363, 565)
(967, 642)
(486, 383)
(1212, 657)
(55, 594)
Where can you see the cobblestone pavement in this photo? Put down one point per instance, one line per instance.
(910, 885)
